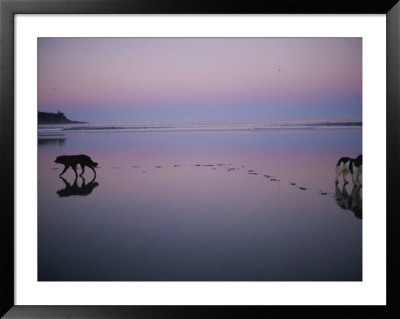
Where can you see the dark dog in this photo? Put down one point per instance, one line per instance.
(349, 165)
(73, 160)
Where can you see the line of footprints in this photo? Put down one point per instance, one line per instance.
(229, 168)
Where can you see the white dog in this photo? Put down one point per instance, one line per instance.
(349, 165)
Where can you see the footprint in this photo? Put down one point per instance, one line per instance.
(323, 193)
(252, 173)
(275, 180)
(291, 183)
(303, 188)
(197, 165)
(177, 165)
(135, 166)
(158, 166)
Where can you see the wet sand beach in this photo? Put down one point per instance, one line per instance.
(199, 206)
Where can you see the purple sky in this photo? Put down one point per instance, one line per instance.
(155, 79)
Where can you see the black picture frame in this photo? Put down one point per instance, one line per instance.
(8, 8)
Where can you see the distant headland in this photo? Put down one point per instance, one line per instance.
(55, 118)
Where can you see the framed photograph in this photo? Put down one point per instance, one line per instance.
(170, 157)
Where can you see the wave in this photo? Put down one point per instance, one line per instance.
(244, 126)
(333, 124)
(85, 128)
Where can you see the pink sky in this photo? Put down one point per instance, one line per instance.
(139, 79)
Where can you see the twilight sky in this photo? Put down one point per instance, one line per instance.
(172, 79)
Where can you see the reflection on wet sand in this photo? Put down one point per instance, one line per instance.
(351, 202)
(183, 222)
(74, 189)
(46, 141)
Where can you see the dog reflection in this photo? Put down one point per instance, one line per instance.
(351, 202)
(74, 189)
